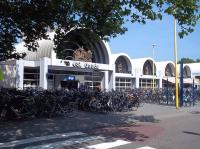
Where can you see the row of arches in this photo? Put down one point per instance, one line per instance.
(144, 66)
(98, 52)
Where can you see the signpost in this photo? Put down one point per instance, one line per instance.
(181, 84)
(1, 75)
(193, 92)
(167, 91)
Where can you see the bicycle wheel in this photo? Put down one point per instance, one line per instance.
(3, 113)
(135, 106)
(70, 110)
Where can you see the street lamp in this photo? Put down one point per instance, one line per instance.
(153, 45)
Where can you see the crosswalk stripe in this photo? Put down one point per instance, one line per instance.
(36, 139)
(146, 147)
(107, 145)
(66, 142)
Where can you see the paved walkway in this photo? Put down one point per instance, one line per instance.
(94, 124)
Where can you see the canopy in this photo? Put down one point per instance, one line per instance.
(185, 80)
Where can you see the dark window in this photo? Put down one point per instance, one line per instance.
(169, 71)
(148, 69)
(121, 65)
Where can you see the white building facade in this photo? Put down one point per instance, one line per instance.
(86, 63)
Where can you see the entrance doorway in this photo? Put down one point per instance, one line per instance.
(75, 79)
(69, 84)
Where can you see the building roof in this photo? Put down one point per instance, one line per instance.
(194, 67)
(161, 66)
(45, 49)
(137, 64)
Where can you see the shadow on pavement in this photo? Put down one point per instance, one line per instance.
(16, 130)
(146, 118)
(195, 112)
(192, 133)
(128, 133)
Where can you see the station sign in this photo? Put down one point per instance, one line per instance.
(82, 65)
(69, 78)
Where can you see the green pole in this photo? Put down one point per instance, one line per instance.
(1, 75)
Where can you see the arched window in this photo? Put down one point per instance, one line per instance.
(121, 65)
(186, 72)
(169, 70)
(78, 45)
(147, 68)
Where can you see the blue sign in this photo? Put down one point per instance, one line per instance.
(69, 78)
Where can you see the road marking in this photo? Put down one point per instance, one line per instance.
(146, 147)
(66, 142)
(107, 145)
(36, 139)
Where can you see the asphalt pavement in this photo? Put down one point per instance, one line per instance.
(155, 126)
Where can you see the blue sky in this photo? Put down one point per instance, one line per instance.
(137, 41)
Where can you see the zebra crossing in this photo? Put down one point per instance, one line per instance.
(62, 140)
(68, 142)
(107, 145)
(37, 139)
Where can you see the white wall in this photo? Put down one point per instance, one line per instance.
(43, 72)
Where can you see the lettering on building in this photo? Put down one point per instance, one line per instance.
(77, 64)
(67, 63)
(91, 66)
(85, 65)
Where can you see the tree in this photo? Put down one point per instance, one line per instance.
(197, 60)
(31, 20)
(186, 60)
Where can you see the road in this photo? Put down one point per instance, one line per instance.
(155, 126)
(180, 129)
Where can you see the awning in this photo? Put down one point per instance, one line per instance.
(170, 79)
(190, 81)
(185, 80)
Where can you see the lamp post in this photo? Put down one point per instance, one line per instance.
(153, 45)
(175, 61)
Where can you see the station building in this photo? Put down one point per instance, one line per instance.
(86, 63)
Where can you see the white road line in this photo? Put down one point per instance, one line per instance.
(107, 145)
(66, 142)
(36, 139)
(146, 147)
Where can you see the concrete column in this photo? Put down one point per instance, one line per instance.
(110, 78)
(53, 56)
(106, 80)
(113, 78)
(43, 72)
(137, 82)
(20, 74)
(160, 82)
(133, 83)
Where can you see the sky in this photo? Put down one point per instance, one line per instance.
(137, 41)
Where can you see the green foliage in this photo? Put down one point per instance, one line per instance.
(31, 20)
(198, 60)
(188, 60)
(1, 75)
